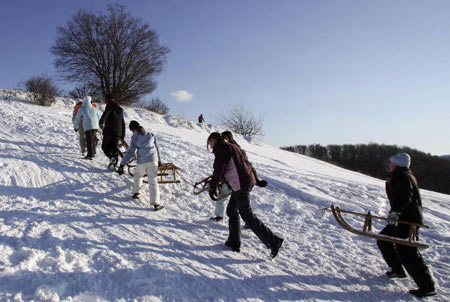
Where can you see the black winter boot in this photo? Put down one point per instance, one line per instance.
(421, 293)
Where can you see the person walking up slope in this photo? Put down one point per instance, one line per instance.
(113, 125)
(80, 130)
(145, 147)
(82, 137)
(403, 193)
(89, 117)
(231, 164)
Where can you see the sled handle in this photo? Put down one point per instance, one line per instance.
(379, 217)
(203, 185)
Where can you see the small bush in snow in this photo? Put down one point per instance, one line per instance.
(240, 119)
(43, 91)
(156, 105)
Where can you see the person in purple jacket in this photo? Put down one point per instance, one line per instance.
(231, 165)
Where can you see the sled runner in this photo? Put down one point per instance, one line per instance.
(367, 227)
(203, 185)
(167, 172)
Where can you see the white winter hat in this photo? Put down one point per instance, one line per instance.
(401, 159)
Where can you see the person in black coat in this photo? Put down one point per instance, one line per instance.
(406, 204)
(113, 125)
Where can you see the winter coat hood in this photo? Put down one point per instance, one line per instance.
(87, 101)
(115, 107)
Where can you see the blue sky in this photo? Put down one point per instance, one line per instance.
(328, 72)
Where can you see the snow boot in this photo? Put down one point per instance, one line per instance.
(89, 157)
(112, 163)
(421, 293)
(135, 196)
(235, 248)
(275, 248)
(158, 207)
(217, 218)
(393, 274)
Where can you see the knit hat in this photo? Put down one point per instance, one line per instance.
(401, 160)
(133, 125)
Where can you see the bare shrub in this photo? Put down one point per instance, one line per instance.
(43, 91)
(156, 105)
(240, 119)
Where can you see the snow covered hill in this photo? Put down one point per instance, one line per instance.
(69, 230)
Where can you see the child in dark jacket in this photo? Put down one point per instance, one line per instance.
(406, 204)
(232, 165)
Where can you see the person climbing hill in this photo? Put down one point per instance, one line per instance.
(113, 125)
(89, 117)
(143, 145)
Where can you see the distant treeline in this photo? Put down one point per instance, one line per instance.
(432, 172)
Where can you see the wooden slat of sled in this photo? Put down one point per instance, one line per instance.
(366, 230)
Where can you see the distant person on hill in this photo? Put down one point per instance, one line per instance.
(201, 120)
(82, 136)
(231, 165)
(113, 125)
(143, 145)
(403, 193)
(89, 117)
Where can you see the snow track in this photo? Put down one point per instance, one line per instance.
(69, 230)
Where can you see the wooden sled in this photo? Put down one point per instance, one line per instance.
(167, 172)
(203, 185)
(367, 228)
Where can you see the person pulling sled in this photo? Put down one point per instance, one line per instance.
(403, 193)
(143, 145)
(231, 164)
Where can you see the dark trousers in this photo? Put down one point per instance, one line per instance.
(398, 256)
(91, 142)
(109, 145)
(239, 204)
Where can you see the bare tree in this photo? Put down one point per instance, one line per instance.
(156, 105)
(112, 53)
(43, 90)
(241, 120)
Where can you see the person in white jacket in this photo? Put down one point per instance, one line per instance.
(90, 117)
(143, 145)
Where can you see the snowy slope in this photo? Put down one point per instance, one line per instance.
(69, 230)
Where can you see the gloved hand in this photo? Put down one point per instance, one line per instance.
(120, 170)
(76, 130)
(213, 193)
(261, 183)
(393, 218)
(159, 163)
